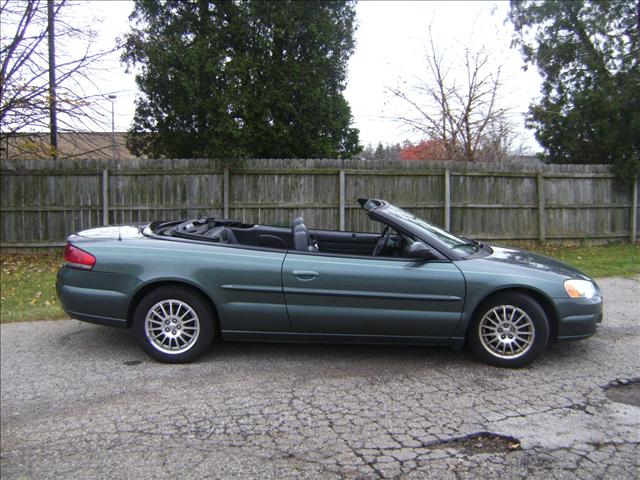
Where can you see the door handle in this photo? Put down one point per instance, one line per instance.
(305, 274)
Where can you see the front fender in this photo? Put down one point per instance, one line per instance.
(482, 282)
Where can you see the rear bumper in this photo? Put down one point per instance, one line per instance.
(109, 322)
(93, 296)
(578, 318)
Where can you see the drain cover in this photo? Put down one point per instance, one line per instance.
(624, 390)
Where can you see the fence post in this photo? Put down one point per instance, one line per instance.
(447, 200)
(634, 211)
(105, 197)
(342, 202)
(542, 219)
(225, 192)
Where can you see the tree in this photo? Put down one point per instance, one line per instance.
(25, 98)
(242, 79)
(424, 150)
(381, 152)
(588, 53)
(462, 115)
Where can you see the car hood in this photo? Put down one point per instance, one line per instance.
(535, 261)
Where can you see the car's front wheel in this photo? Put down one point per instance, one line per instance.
(510, 330)
(174, 324)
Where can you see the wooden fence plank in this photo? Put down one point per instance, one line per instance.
(447, 200)
(225, 193)
(634, 211)
(105, 196)
(542, 219)
(342, 200)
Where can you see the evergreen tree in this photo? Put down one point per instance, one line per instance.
(245, 78)
(588, 53)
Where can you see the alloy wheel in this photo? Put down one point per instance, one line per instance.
(172, 326)
(506, 331)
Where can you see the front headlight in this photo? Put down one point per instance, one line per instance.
(580, 288)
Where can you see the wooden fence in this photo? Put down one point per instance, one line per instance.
(43, 201)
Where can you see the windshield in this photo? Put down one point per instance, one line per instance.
(447, 239)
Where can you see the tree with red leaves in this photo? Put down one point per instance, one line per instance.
(424, 150)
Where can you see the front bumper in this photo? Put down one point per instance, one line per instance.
(578, 318)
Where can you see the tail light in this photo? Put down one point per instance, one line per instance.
(78, 258)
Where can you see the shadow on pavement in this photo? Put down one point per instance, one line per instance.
(119, 345)
(112, 342)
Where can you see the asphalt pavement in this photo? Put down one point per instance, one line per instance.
(83, 401)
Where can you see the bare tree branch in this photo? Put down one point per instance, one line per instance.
(462, 115)
(24, 82)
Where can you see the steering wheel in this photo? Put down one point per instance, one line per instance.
(382, 241)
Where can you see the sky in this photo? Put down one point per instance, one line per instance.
(390, 48)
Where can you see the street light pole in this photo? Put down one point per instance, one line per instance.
(53, 108)
(113, 127)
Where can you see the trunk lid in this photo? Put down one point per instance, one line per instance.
(110, 232)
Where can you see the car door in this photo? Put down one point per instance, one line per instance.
(246, 284)
(352, 295)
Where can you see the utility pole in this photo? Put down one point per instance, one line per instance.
(53, 117)
(113, 127)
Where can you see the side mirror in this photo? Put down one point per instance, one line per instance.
(421, 251)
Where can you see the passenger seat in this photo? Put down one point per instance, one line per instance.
(302, 240)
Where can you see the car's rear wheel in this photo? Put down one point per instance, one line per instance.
(174, 324)
(510, 330)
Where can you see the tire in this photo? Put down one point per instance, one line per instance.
(189, 331)
(509, 330)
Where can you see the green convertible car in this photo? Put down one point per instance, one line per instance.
(178, 284)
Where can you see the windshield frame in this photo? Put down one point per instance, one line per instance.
(438, 238)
